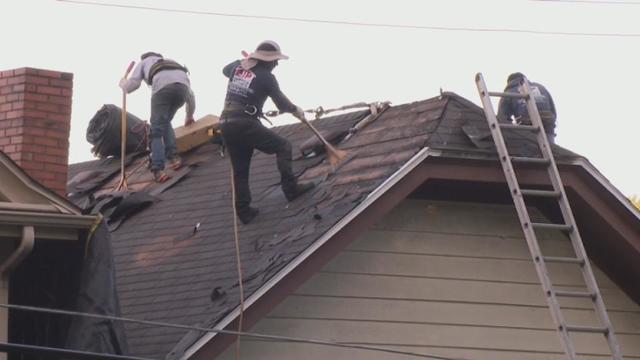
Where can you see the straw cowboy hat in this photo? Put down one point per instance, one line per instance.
(266, 51)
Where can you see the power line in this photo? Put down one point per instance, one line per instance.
(592, 2)
(356, 23)
(227, 332)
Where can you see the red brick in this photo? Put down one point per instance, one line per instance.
(54, 134)
(24, 71)
(56, 151)
(62, 118)
(66, 76)
(60, 167)
(45, 141)
(19, 139)
(18, 88)
(5, 107)
(17, 80)
(9, 148)
(6, 90)
(30, 87)
(35, 131)
(14, 114)
(37, 80)
(35, 114)
(60, 100)
(4, 123)
(35, 97)
(45, 158)
(13, 131)
(68, 84)
(3, 82)
(48, 107)
(42, 174)
(17, 123)
(50, 74)
(31, 165)
(6, 73)
(33, 148)
(15, 97)
(49, 90)
(67, 92)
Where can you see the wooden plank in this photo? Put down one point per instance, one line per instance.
(429, 289)
(492, 315)
(268, 350)
(457, 268)
(198, 133)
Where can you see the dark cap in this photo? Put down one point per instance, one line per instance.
(149, 53)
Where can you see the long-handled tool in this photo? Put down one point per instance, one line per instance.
(123, 135)
(335, 156)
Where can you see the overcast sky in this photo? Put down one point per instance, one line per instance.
(593, 79)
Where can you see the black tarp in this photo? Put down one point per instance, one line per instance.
(97, 294)
(104, 134)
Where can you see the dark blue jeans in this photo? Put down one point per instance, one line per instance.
(243, 134)
(164, 105)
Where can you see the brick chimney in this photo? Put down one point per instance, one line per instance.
(35, 119)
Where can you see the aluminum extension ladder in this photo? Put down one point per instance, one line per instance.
(569, 227)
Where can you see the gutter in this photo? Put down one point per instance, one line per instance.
(14, 217)
(24, 249)
(411, 164)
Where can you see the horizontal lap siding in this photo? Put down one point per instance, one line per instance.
(447, 279)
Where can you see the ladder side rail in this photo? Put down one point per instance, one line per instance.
(524, 218)
(567, 214)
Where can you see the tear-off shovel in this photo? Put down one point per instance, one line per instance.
(123, 135)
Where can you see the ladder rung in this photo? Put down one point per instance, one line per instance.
(504, 94)
(519, 127)
(587, 329)
(529, 160)
(561, 227)
(563, 260)
(542, 193)
(577, 294)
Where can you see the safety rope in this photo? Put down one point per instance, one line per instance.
(224, 332)
(320, 111)
(238, 262)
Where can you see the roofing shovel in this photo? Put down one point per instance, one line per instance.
(335, 156)
(123, 134)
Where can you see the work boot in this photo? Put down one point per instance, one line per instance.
(174, 163)
(247, 215)
(298, 190)
(160, 176)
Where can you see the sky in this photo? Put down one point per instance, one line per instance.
(433, 45)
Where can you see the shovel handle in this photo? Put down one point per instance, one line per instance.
(129, 68)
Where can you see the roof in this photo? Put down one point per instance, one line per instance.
(175, 256)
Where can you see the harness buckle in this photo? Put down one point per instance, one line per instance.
(250, 110)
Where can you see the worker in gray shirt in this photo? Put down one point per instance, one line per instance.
(170, 89)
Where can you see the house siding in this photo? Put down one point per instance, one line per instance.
(441, 278)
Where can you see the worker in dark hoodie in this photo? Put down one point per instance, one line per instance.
(515, 109)
(251, 82)
(170, 90)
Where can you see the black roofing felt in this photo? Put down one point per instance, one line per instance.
(175, 259)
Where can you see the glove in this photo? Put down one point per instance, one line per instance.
(299, 113)
(123, 83)
(188, 121)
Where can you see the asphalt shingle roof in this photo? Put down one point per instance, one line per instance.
(167, 272)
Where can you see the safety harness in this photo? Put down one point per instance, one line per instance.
(161, 65)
